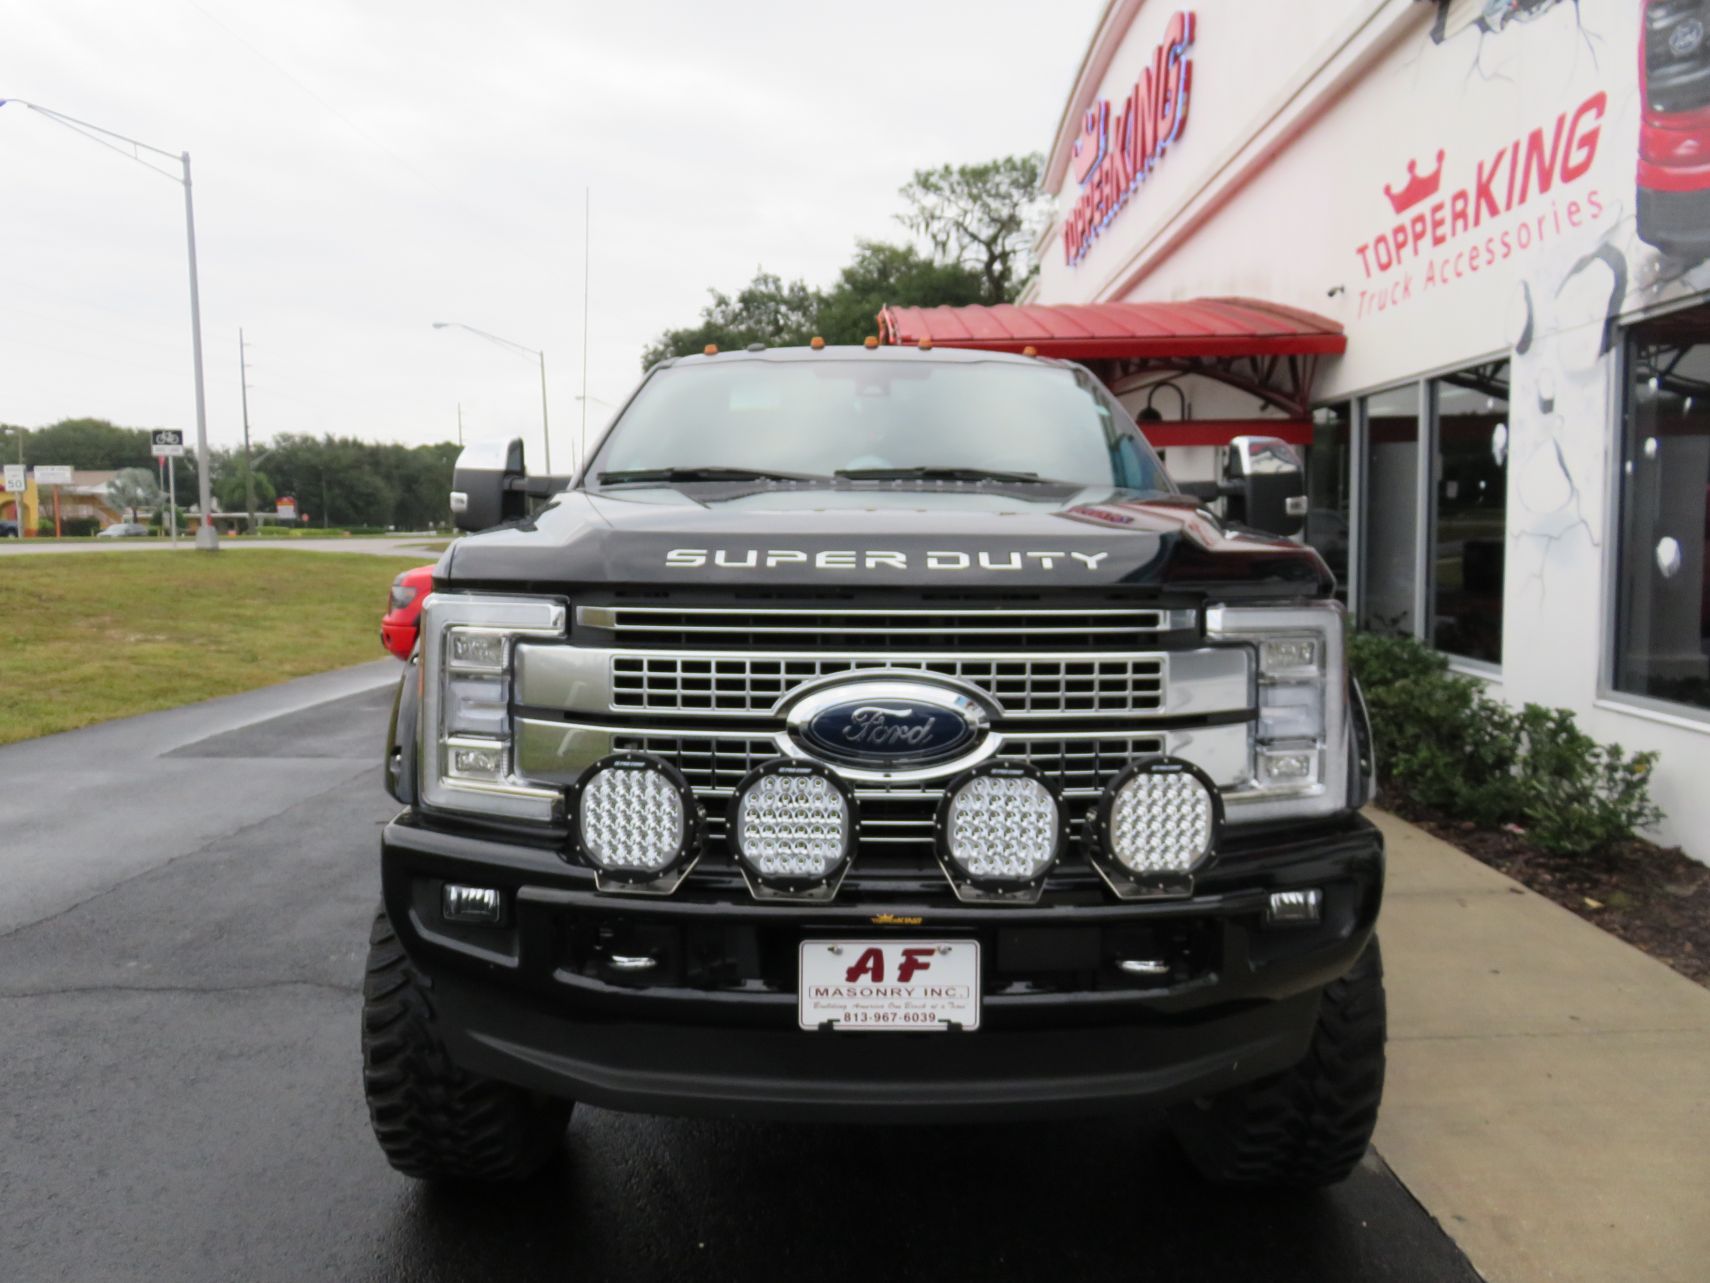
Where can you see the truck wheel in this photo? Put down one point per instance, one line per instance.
(435, 1121)
(1309, 1125)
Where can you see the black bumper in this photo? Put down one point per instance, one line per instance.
(712, 1029)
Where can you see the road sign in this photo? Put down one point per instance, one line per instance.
(15, 478)
(168, 443)
(53, 474)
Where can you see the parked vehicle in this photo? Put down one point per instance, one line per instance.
(123, 530)
(874, 735)
(403, 607)
(8, 530)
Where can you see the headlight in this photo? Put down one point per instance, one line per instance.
(468, 759)
(792, 829)
(1155, 825)
(1300, 749)
(1000, 829)
(635, 820)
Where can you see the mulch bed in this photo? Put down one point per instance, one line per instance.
(1655, 898)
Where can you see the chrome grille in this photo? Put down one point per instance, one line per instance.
(837, 626)
(1026, 684)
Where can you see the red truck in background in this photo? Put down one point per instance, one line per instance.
(403, 610)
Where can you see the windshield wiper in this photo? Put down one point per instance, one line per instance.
(936, 474)
(703, 474)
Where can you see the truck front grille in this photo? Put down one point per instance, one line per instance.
(1057, 685)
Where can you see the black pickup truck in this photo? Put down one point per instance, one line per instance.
(875, 735)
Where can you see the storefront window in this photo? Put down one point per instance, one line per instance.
(1472, 511)
(1329, 488)
(1391, 511)
(1662, 630)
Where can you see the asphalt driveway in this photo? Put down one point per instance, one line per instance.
(181, 941)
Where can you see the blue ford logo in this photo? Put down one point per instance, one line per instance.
(889, 722)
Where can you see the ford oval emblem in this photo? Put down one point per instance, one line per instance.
(888, 722)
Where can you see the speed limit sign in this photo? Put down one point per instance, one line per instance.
(168, 443)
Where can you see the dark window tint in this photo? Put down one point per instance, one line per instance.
(1472, 511)
(1329, 488)
(1662, 629)
(1391, 511)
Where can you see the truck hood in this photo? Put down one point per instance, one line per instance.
(883, 535)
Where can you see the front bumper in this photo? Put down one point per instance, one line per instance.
(710, 1028)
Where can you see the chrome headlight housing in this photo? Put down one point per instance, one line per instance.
(467, 751)
(1301, 736)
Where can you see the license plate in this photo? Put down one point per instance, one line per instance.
(897, 983)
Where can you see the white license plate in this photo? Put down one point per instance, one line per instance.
(897, 983)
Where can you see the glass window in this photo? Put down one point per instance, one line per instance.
(819, 415)
(1391, 511)
(1472, 511)
(1662, 630)
(1329, 488)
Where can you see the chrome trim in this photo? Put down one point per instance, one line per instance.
(757, 684)
(817, 620)
(554, 752)
(1143, 966)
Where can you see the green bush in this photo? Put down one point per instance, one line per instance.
(1445, 746)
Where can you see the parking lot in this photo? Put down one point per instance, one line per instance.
(183, 1100)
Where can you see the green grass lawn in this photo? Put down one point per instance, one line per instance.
(84, 639)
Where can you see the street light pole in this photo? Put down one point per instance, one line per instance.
(207, 538)
(512, 345)
(248, 465)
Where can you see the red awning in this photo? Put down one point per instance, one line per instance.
(1207, 327)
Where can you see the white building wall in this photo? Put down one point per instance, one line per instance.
(1299, 117)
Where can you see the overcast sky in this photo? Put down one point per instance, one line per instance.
(364, 169)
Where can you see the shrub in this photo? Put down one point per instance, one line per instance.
(1445, 746)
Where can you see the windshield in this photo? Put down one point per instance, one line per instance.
(1052, 422)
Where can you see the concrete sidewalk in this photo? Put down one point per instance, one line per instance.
(1547, 1097)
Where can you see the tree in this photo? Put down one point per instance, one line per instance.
(133, 489)
(984, 217)
(882, 273)
(233, 494)
(766, 310)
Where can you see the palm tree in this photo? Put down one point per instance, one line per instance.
(134, 488)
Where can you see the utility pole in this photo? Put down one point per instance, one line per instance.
(248, 468)
(587, 238)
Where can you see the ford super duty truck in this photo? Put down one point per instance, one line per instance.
(877, 735)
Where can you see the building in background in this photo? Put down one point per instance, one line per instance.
(1505, 207)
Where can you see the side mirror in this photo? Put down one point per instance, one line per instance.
(484, 485)
(1266, 486)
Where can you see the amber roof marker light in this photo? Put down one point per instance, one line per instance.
(870, 342)
(926, 343)
(711, 349)
(1030, 350)
(816, 343)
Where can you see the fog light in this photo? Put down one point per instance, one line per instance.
(635, 820)
(1280, 766)
(792, 828)
(1295, 908)
(482, 906)
(1000, 829)
(1156, 823)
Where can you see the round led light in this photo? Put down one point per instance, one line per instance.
(1157, 820)
(793, 824)
(1000, 826)
(635, 818)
